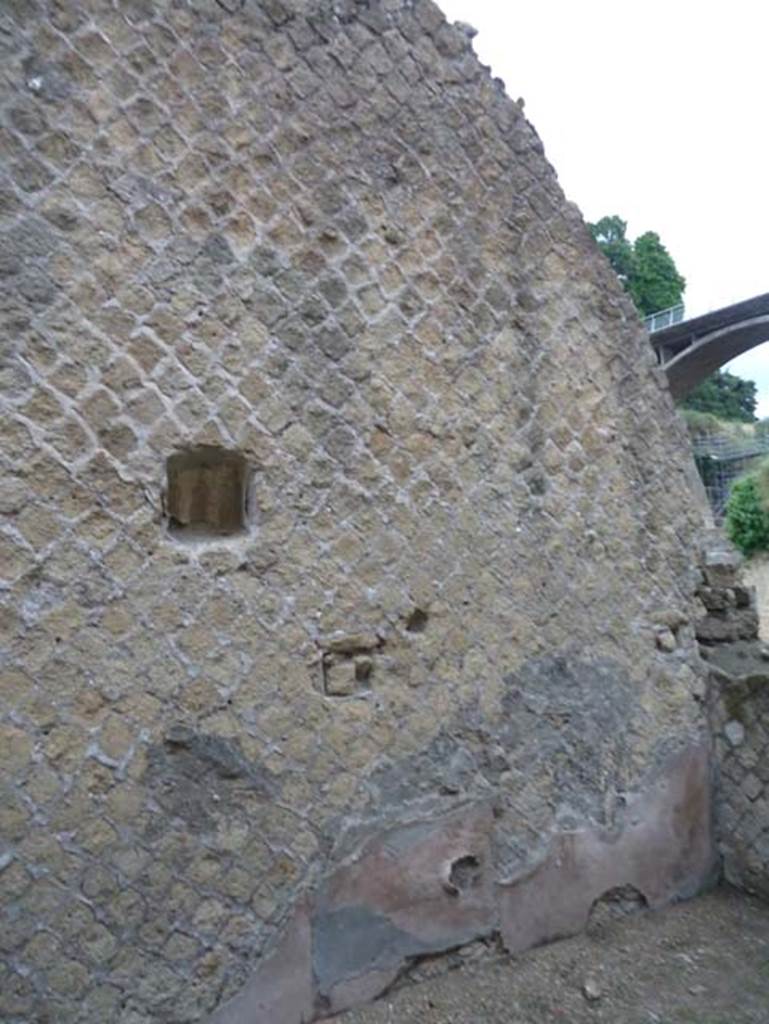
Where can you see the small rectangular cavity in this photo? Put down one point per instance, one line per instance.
(207, 493)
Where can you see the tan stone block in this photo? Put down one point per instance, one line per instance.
(15, 748)
(238, 885)
(124, 803)
(255, 857)
(14, 558)
(93, 835)
(42, 950)
(155, 932)
(123, 561)
(44, 898)
(199, 697)
(18, 996)
(209, 915)
(97, 943)
(144, 709)
(101, 1003)
(43, 786)
(115, 737)
(14, 881)
(41, 851)
(97, 883)
(67, 978)
(16, 932)
(340, 677)
(232, 835)
(39, 526)
(126, 909)
(66, 745)
(181, 947)
(43, 407)
(65, 620)
(119, 619)
(221, 723)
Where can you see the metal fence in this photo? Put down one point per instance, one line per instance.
(664, 318)
(721, 460)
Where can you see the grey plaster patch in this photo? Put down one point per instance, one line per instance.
(571, 715)
(561, 713)
(193, 774)
(351, 940)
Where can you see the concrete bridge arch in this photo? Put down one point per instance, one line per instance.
(691, 350)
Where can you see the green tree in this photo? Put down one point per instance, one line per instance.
(645, 267)
(725, 395)
(610, 234)
(654, 282)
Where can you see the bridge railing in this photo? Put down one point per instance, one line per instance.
(664, 318)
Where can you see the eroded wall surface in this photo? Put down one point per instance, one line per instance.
(453, 642)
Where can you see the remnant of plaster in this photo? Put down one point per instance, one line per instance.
(429, 886)
(664, 850)
(282, 991)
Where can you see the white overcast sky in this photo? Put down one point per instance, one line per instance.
(658, 112)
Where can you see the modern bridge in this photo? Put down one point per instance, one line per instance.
(690, 350)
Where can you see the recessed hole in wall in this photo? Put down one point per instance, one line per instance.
(617, 902)
(417, 621)
(464, 873)
(363, 669)
(207, 493)
(343, 675)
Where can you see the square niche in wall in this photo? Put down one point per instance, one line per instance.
(207, 493)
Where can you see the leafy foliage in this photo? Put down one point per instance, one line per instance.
(610, 234)
(654, 282)
(645, 267)
(725, 395)
(747, 519)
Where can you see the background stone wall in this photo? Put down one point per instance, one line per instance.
(742, 747)
(320, 236)
(739, 710)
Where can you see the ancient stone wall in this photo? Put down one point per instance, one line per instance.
(739, 709)
(741, 721)
(348, 558)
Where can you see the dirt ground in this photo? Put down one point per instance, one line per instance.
(701, 962)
